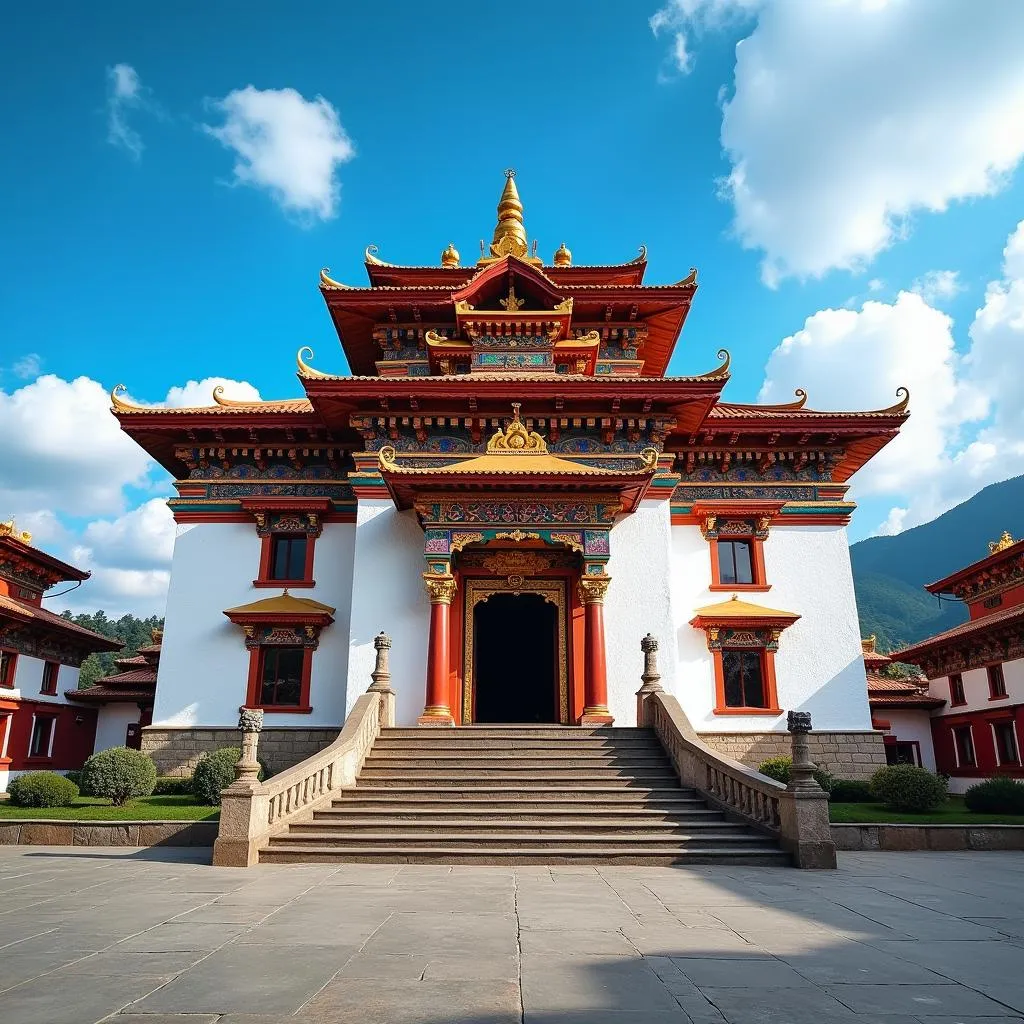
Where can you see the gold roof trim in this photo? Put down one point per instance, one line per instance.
(119, 404)
(435, 340)
(589, 340)
(8, 529)
(1004, 542)
(901, 406)
(326, 281)
(370, 257)
(305, 369)
(723, 354)
(734, 608)
(690, 279)
(282, 604)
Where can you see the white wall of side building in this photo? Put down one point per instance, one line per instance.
(911, 725)
(112, 721)
(638, 602)
(819, 666)
(204, 664)
(388, 594)
(976, 689)
(28, 678)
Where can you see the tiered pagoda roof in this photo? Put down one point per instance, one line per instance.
(885, 693)
(134, 682)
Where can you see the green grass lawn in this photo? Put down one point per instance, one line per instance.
(150, 808)
(953, 812)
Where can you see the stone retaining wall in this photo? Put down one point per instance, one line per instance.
(847, 755)
(47, 832)
(177, 751)
(928, 837)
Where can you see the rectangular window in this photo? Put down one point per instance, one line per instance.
(996, 682)
(902, 752)
(281, 676)
(8, 663)
(42, 734)
(744, 679)
(735, 561)
(964, 742)
(50, 672)
(288, 557)
(1006, 743)
(956, 689)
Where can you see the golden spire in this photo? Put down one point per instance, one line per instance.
(510, 220)
(450, 256)
(563, 257)
(1004, 542)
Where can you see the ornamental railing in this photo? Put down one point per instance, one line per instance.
(797, 813)
(251, 812)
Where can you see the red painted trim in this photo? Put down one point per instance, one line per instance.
(48, 668)
(254, 685)
(10, 668)
(266, 551)
(767, 675)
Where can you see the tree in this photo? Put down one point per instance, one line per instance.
(131, 631)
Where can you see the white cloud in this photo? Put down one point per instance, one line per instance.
(286, 144)
(27, 366)
(849, 117)
(141, 539)
(876, 284)
(966, 428)
(687, 20)
(938, 286)
(124, 94)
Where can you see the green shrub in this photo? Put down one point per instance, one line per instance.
(42, 789)
(216, 772)
(173, 785)
(779, 768)
(119, 774)
(902, 787)
(996, 796)
(851, 791)
(75, 777)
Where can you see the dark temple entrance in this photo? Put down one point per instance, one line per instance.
(514, 641)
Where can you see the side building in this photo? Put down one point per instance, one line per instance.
(41, 728)
(977, 669)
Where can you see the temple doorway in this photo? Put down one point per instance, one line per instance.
(516, 660)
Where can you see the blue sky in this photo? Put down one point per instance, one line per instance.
(778, 147)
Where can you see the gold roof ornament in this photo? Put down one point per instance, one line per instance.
(8, 529)
(1004, 542)
(326, 281)
(450, 257)
(512, 304)
(119, 404)
(304, 368)
(562, 257)
(515, 438)
(510, 231)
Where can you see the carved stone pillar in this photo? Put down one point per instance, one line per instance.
(595, 669)
(651, 678)
(381, 684)
(250, 724)
(803, 812)
(441, 589)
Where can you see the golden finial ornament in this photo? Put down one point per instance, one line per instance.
(510, 231)
(450, 257)
(1004, 542)
(119, 404)
(562, 257)
(515, 438)
(723, 354)
(8, 529)
(304, 368)
(511, 304)
(326, 281)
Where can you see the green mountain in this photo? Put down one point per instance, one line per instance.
(889, 573)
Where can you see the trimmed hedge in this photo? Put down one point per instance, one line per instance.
(779, 768)
(42, 789)
(903, 787)
(215, 772)
(996, 796)
(119, 774)
(851, 791)
(173, 785)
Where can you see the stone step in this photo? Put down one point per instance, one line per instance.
(484, 796)
(535, 784)
(522, 773)
(601, 854)
(412, 841)
(436, 740)
(484, 762)
(496, 825)
(554, 732)
(379, 810)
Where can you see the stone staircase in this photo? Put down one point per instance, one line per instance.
(520, 795)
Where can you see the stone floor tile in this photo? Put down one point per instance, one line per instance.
(934, 1000)
(248, 979)
(676, 1016)
(42, 1002)
(759, 974)
(114, 963)
(552, 940)
(693, 942)
(161, 1018)
(582, 984)
(857, 964)
(16, 968)
(792, 1006)
(183, 937)
(472, 968)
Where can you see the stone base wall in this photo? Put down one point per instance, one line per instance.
(928, 837)
(847, 755)
(178, 751)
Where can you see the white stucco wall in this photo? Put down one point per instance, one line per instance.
(908, 725)
(819, 666)
(639, 601)
(388, 595)
(977, 692)
(204, 665)
(112, 721)
(28, 678)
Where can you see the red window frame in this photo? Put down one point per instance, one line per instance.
(254, 697)
(957, 696)
(996, 681)
(8, 667)
(759, 584)
(267, 561)
(1002, 748)
(51, 672)
(768, 683)
(960, 749)
(36, 720)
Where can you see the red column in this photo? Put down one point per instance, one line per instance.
(595, 679)
(441, 588)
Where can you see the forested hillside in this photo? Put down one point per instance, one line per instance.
(135, 633)
(890, 572)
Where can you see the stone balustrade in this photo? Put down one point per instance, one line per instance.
(797, 813)
(252, 811)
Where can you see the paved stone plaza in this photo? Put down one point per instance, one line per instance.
(157, 936)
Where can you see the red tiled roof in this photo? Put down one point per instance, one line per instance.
(906, 701)
(109, 693)
(30, 613)
(133, 676)
(1001, 618)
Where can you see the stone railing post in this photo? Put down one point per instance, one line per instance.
(381, 684)
(651, 679)
(803, 809)
(250, 724)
